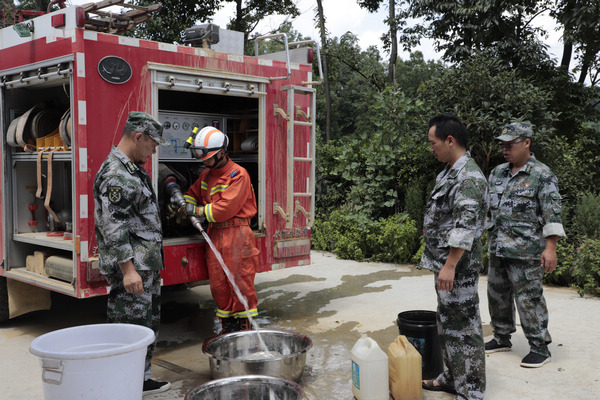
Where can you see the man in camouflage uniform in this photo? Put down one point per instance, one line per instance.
(452, 229)
(128, 232)
(524, 227)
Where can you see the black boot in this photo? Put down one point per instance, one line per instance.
(229, 325)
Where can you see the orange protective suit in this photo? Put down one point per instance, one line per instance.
(229, 203)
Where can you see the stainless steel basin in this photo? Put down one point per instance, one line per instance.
(250, 387)
(234, 354)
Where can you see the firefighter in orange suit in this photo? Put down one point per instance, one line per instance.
(223, 194)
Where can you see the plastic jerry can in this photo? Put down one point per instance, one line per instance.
(369, 370)
(405, 370)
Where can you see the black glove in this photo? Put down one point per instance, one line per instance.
(189, 209)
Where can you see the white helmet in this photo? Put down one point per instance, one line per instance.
(207, 142)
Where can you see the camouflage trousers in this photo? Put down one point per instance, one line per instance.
(461, 334)
(517, 281)
(139, 309)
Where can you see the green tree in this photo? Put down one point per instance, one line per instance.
(390, 40)
(373, 168)
(170, 22)
(411, 73)
(579, 20)
(250, 12)
(7, 10)
(486, 95)
(461, 28)
(275, 44)
(575, 164)
(355, 76)
(320, 17)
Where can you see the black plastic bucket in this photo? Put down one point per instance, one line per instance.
(420, 328)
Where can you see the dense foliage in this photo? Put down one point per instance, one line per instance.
(170, 22)
(352, 236)
(579, 256)
(378, 167)
(486, 95)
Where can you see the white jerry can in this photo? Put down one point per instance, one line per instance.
(369, 370)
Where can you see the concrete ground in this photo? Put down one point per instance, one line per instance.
(333, 302)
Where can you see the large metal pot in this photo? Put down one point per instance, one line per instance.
(250, 387)
(232, 354)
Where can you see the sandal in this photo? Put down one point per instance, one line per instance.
(429, 385)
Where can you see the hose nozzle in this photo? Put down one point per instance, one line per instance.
(174, 191)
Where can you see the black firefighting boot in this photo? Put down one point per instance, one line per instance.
(229, 325)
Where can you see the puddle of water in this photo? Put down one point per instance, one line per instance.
(280, 303)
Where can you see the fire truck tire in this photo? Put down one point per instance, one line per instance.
(3, 300)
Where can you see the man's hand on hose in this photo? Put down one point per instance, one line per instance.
(189, 209)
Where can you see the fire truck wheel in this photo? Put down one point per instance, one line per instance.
(3, 300)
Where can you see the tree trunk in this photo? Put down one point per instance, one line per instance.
(567, 54)
(393, 43)
(325, 73)
(567, 27)
(585, 66)
(238, 16)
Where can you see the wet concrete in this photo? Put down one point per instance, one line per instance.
(333, 302)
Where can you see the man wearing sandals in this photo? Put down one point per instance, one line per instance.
(452, 229)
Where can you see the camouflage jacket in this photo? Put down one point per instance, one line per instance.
(455, 215)
(126, 215)
(525, 208)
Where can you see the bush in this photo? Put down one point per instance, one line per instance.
(396, 238)
(356, 237)
(579, 257)
(414, 203)
(563, 274)
(341, 233)
(322, 235)
(578, 266)
(586, 267)
(586, 221)
(416, 259)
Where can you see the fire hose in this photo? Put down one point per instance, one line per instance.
(174, 191)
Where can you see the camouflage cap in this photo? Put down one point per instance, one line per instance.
(515, 130)
(138, 121)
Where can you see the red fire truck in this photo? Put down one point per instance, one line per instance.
(67, 84)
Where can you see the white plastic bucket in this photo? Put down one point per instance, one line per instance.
(102, 361)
